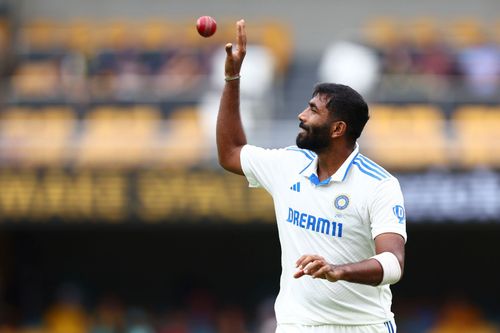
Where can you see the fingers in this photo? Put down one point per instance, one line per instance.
(312, 269)
(298, 263)
(241, 37)
(312, 265)
(234, 59)
(229, 49)
(306, 259)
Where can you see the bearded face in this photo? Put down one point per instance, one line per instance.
(313, 137)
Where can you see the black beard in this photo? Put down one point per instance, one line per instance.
(314, 138)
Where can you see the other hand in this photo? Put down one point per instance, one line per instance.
(234, 59)
(317, 267)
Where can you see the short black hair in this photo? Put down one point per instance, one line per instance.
(346, 104)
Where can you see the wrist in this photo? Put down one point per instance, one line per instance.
(235, 77)
(337, 273)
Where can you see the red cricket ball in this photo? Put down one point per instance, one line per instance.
(206, 26)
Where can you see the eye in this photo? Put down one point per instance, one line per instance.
(313, 107)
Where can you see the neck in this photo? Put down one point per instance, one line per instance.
(332, 158)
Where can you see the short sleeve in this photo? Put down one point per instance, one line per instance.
(387, 212)
(260, 165)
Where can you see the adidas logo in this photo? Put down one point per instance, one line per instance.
(295, 187)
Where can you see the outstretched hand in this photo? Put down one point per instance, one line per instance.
(234, 59)
(317, 267)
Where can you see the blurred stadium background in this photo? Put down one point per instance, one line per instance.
(114, 216)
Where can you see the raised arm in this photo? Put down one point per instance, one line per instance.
(229, 131)
(390, 246)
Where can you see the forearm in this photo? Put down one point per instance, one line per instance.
(368, 272)
(229, 130)
(383, 268)
(386, 267)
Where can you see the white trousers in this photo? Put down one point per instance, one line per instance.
(387, 327)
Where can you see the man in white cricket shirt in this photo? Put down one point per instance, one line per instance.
(340, 216)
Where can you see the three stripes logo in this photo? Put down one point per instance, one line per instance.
(295, 187)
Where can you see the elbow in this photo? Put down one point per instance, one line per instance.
(224, 163)
(230, 161)
(224, 159)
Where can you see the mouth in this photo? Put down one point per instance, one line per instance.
(303, 128)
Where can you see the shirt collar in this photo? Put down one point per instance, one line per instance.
(310, 171)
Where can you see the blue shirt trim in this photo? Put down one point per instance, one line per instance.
(373, 170)
(366, 172)
(305, 152)
(315, 180)
(349, 167)
(307, 166)
(375, 165)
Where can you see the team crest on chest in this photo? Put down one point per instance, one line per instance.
(341, 202)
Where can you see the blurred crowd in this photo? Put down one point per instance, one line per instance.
(466, 52)
(94, 71)
(419, 59)
(201, 312)
(122, 60)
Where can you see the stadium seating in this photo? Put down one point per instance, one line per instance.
(477, 136)
(79, 37)
(466, 32)
(36, 80)
(382, 31)
(36, 137)
(496, 32)
(124, 43)
(40, 35)
(460, 32)
(4, 39)
(276, 36)
(408, 137)
(402, 137)
(118, 137)
(154, 34)
(182, 141)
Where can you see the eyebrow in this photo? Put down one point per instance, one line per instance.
(312, 105)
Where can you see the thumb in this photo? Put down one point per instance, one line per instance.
(229, 49)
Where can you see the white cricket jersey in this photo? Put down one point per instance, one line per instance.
(338, 219)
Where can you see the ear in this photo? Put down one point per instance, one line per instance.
(338, 129)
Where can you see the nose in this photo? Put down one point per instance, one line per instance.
(301, 116)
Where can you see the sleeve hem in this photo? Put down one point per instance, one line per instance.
(389, 230)
(252, 182)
